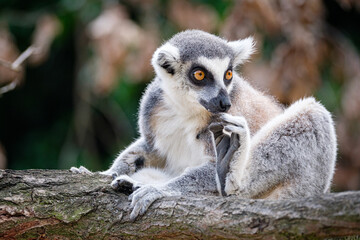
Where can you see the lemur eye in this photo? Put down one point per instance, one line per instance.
(199, 75)
(228, 75)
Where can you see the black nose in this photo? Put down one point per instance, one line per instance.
(220, 103)
(224, 105)
(223, 101)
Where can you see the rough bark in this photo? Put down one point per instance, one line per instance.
(57, 204)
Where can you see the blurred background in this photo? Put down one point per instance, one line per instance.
(72, 97)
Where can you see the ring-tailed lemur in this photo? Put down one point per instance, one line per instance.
(204, 129)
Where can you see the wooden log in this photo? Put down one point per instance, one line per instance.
(58, 204)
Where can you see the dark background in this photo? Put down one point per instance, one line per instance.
(76, 100)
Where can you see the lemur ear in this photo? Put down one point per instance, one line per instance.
(166, 58)
(243, 49)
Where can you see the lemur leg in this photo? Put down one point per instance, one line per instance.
(293, 155)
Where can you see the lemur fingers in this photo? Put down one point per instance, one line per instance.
(237, 127)
(110, 173)
(81, 170)
(236, 121)
(224, 156)
(142, 199)
(217, 129)
(223, 146)
(229, 123)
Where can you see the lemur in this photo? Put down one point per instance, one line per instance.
(205, 130)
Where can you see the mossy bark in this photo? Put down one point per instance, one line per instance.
(57, 204)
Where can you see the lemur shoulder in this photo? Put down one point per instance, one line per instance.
(205, 130)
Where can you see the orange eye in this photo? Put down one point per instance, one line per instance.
(199, 75)
(228, 75)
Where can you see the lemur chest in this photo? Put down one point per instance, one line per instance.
(176, 140)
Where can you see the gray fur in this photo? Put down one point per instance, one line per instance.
(256, 150)
(195, 43)
(298, 157)
(151, 99)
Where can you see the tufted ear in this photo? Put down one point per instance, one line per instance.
(243, 49)
(166, 58)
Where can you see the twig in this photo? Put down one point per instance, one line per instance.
(23, 56)
(16, 67)
(8, 87)
(8, 65)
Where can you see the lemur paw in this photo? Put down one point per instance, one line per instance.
(142, 199)
(125, 184)
(234, 124)
(81, 169)
(235, 132)
(110, 173)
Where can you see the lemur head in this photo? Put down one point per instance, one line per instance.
(198, 67)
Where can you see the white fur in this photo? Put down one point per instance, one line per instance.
(178, 98)
(171, 52)
(182, 117)
(243, 49)
(151, 176)
(176, 140)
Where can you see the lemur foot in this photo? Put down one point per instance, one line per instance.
(234, 130)
(81, 169)
(125, 184)
(84, 170)
(142, 198)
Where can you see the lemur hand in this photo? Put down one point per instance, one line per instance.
(228, 131)
(142, 198)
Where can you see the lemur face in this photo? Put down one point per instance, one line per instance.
(199, 68)
(210, 80)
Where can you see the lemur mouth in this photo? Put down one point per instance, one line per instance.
(219, 104)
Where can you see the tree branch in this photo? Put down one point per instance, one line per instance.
(57, 204)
